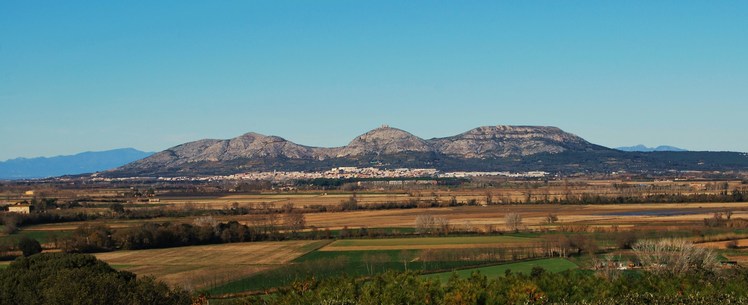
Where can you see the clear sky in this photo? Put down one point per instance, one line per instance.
(96, 75)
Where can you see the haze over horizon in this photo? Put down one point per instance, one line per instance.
(81, 76)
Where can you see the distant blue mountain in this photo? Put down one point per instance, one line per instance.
(86, 162)
(642, 148)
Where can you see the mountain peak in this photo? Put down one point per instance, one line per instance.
(252, 134)
(385, 131)
(384, 140)
(502, 141)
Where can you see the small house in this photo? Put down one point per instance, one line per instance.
(20, 208)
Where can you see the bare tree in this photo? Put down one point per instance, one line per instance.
(489, 198)
(205, 221)
(294, 221)
(442, 225)
(349, 205)
(265, 224)
(432, 225)
(425, 223)
(551, 218)
(513, 221)
(371, 261)
(406, 256)
(676, 256)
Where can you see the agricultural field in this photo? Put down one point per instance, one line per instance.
(322, 264)
(427, 243)
(533, 216)
(277, 200)
(548, 264)
(198, 267)
(360, 234)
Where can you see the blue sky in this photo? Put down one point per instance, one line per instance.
(95, 75)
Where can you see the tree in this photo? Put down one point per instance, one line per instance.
(89, 238)
(442, 225)
(29, 246)
(537, 272)
(207, 221)
(626, 240)
(349, 205)
(9, 227)
(117, 208)
(513, 221)
(425, 223)
(551, 218)
(294, 221)
(737, 196)
(674, 256)
(429, 224)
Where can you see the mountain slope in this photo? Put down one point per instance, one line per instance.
(87, 162)
(382, 141)
(487, 148)
(507, 141)
(384, 146)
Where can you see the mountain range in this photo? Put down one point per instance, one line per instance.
(86, 162)
(642, 148)
(487, 148)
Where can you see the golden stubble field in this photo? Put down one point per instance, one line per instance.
(201, 266)
(514, 191)
(277, 200)
(532, 215)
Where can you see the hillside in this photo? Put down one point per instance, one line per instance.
(487, 148)
(86, 162)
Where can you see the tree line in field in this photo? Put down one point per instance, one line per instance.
(203, 230)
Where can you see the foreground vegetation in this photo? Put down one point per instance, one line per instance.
(59, 278)
(81, 279)
(537, 287)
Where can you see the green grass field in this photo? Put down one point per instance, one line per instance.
(431, 241)
(322, 264)
(41, 236)
(549, 264)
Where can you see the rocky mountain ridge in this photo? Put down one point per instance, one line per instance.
(486, 148)
(479, 143)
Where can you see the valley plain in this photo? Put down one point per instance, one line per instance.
(213, 239)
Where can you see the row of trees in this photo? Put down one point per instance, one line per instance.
(204, 230)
